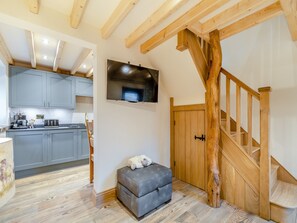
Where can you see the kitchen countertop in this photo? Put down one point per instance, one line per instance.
(42, 128)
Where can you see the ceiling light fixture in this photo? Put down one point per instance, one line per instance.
(45, 57)
(84, 66)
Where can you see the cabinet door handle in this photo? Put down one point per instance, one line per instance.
(44, 104)
(48, 104)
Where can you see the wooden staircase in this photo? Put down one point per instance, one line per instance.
(249, 179)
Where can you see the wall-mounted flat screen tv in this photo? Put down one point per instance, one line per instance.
(131, 83)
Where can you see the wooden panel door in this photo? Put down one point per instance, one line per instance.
(190, 152)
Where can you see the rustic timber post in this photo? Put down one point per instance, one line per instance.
(213, 122)
(265, 164)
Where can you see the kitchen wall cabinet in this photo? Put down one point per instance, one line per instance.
(83, 144)
(37, 148)
(84, 87)
(27, 88)
(60, 91)
(30, 149)
(62, 146)
(41, 89)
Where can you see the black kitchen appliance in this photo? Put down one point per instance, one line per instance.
(48, 123)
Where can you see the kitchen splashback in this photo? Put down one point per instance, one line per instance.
(65, 116)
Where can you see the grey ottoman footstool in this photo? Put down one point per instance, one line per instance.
(143, 190)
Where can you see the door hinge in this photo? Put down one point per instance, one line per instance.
(174, 122)
(174, 163)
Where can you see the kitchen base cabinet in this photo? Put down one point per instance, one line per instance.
(30, 149)
(48, 147)
(62, 146)
(83, 144)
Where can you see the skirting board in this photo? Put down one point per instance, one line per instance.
(102, 198)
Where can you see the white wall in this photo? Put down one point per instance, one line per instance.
(127, 129)
(266, 56)
(121, 129)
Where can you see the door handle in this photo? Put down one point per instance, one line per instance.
(202, 137)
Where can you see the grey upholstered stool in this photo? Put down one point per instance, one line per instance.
(143, 190)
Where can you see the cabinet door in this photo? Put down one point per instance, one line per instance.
(30, 149)
(27, 88)
(83, 144)
(60, 91)
(84, 87)
(62, 146)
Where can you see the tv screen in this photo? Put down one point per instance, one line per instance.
(131, 83)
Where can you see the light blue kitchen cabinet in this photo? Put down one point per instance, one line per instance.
(27, 88)
(60, 91)
(62, 146)
(83, 144)
(84, 87)
(29, 148)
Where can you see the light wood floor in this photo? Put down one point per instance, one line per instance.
(65, 196)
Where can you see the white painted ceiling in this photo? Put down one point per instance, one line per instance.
(45, 48)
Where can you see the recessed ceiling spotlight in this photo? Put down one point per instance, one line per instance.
(84, 66)
(45, 41)
(45, 57)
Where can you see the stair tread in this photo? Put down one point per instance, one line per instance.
(233, 133)
(284, 195)
(274, 168)
(254, 148)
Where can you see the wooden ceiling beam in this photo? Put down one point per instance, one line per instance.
(46, 68)
(31, 46)
(231, 14)
(77, 12)
(33, 6)
(290, 9)
(199, 11)
(117, 16)
(90, 72)
(5, 51)
(82, 57)
(251, 20)
(166, 9)
(58, 56)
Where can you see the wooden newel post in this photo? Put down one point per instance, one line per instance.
(213, 122)
(265, 164)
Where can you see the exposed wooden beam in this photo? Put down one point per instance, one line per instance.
(182, 41)
(33, 6)
(251, 20)
(290, 10)
(231, 14)
(58, 56)
(188, 40)
(117, 16)
(90, 72)
(82, 57)
(30, 41)
(213, 121)
(199, 11)
(46, 68)
(77, 12)
(168, 7)
(5, 51)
